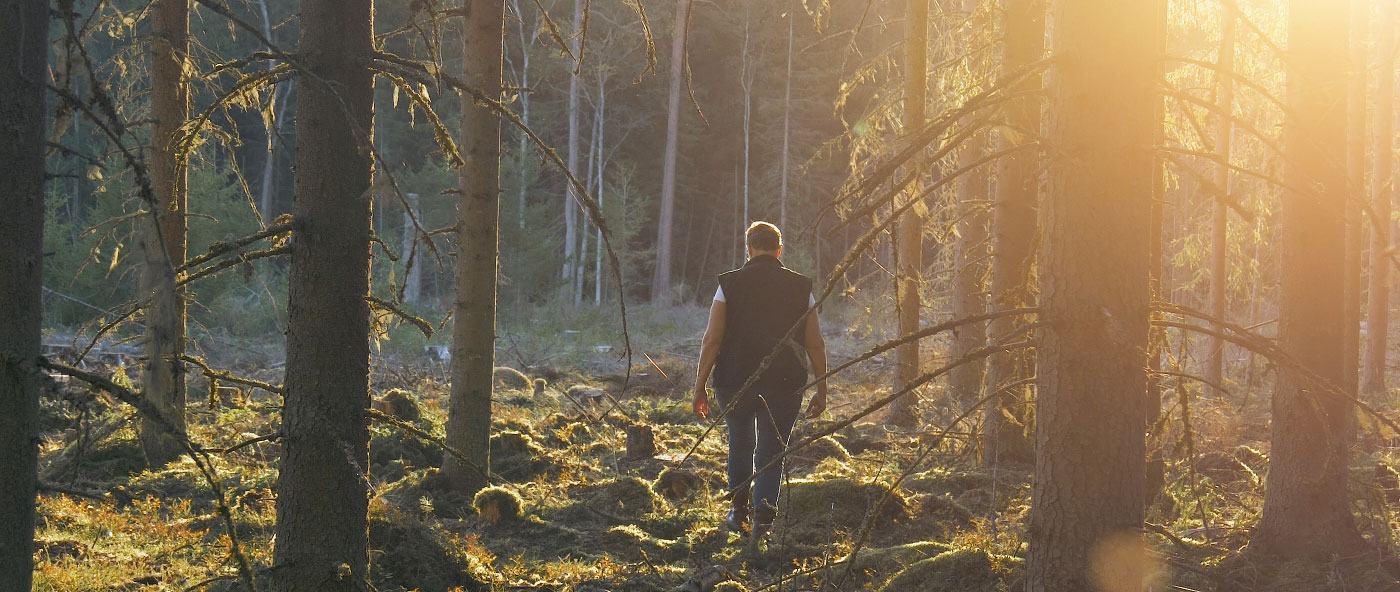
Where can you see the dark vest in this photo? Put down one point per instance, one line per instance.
(763, 300)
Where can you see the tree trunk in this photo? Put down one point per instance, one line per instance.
(24, 43)
(163, 374)
(524, 78)
(1306, 510)
(969, 275)
(910, 226)
(787, 124)
(474, 331)
(661, 281)
(270, 159)
(571, 213)
(412, 276)
(1373, 382)
(747, 70)
(1356, 180)
(1220, 219)
(1014, 233)
(1094, 292)
(602, 166)
(323, 490)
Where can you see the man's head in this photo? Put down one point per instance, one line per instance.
(764, 238)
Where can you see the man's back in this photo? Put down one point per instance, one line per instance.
(763, 301)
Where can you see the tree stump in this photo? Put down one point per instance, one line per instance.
(641, 441)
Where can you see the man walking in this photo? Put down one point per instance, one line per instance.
(755, 308)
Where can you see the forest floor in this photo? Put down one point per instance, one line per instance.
(581, 513)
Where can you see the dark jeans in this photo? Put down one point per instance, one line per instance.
(759, 427)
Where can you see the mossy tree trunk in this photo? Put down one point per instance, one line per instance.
(478, 205)
(1306, 511)
(1089, 470)
(163, 375)
(323, 490)
(24, 34)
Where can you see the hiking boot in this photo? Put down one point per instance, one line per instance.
(763, 517)
(737, 519)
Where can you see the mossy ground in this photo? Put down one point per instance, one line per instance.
(592, 518)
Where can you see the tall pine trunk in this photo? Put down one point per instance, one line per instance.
(910, 228)
(162, 374)
(1306, 510)
(1013, 233)
(661, 280)
(1220, 219)
(323, 489)
(1382, 233)
(24, 44)
(474, 330)
(1356, 181)
(1094, 293)
(969, 275)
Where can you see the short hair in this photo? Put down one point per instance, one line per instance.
(763, 236)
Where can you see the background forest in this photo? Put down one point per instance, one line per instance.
(345, 295)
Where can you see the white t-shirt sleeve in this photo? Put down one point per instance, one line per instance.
(811, 300)
(719, 294)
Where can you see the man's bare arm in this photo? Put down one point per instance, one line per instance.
(709, 351)
(816, 352)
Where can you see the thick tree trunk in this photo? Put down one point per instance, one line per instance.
(1373, 383)
(1094, 293)
(969, 275)
(323, 490)
(1220, 219)
(24, 41)
(1013, 234)
(661, 281)
(163, 247)
(911, 224)
(474, 330)
(1306, 511)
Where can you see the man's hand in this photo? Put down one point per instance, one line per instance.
(817, 405)
(700, 403)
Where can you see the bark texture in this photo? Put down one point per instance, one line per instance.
(323, 491)
(1094, 293)
(1306, 512)
(910, 229)
(474, 330)
(1004, 438)
(163, 373)
(24, 35)
(661, 281)
(1220, 215)
(970, 275)
(1356, 180)
(1382, 229)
